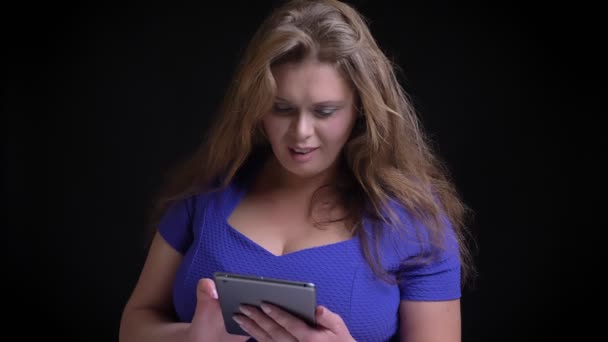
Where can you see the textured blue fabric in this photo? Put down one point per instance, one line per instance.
(197, 227)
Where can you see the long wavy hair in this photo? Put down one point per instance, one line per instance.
(388, 158)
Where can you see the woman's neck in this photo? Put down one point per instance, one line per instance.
(276, 180)
(285, 191)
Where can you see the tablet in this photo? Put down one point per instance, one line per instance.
(297, 298)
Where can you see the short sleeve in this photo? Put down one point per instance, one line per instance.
(175, 225)
(424, 278)
(437, 279)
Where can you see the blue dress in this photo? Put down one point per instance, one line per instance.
(198, 228)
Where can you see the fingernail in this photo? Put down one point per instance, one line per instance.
(265, 308)
(237, 319)
(214, 294)
(244, 310)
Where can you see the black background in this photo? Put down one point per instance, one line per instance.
(98, 100)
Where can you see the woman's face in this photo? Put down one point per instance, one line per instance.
(312, 117)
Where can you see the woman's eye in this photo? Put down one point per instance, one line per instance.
(282, 108)
(326, 111)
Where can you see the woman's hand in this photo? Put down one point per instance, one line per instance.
(274, 324)
(208, 322)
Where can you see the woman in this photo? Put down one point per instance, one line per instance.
(316, 170)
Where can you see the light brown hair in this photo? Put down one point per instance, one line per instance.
(388, 157)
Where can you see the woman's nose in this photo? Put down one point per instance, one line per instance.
(303, 126)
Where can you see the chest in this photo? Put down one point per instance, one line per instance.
(284, 228)
(345, 283)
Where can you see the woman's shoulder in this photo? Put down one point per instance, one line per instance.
(401, 230)
(217, 190)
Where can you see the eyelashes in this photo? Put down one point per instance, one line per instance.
(323, 112)
(326, 111)
(279, 108)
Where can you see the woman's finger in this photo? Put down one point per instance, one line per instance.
(251, 327)
(267, 324)
(207, 286)
(294, 325)
(329, 319)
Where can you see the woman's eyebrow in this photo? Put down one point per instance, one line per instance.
(337, 103)
(329, 103)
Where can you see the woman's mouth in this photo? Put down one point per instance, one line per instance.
(302, 154)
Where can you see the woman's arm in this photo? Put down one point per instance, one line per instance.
(147, 314)
(430, 321)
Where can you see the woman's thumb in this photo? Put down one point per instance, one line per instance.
(205, 289)
(328, 319)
